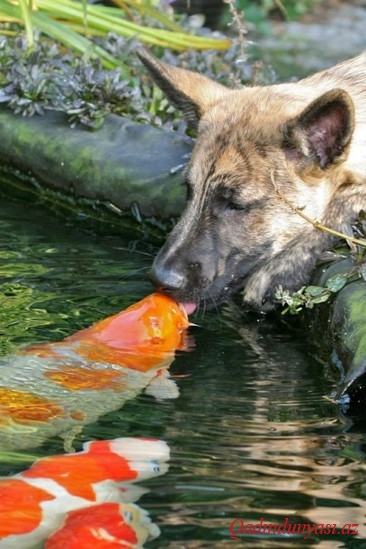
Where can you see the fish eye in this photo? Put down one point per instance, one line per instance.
(155, 467)
(127, 515)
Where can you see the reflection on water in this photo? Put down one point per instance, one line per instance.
(263, 443)
(252, 434)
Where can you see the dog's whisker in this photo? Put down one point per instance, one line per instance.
(215, 304)
(135, 272)
(133, 250)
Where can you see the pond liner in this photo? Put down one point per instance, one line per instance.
(133, 167)
(125, 164)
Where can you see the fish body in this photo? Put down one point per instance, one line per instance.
(52, 388)
(82, 494)
(105, 526)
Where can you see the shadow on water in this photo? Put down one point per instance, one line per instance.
(252, 434)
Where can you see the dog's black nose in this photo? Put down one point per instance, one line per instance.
(167, 278)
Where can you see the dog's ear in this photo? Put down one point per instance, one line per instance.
(323, 131)
(189, 91)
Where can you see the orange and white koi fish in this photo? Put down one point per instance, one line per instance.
(86, 495)
(51, 388)
(104, 526)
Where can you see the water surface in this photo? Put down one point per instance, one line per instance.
(252, 434)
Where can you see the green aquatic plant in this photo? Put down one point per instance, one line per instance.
(75, 25)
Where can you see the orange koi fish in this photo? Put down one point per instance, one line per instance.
(74, 499)
(138, 338)
(51, 388)
(104, 526)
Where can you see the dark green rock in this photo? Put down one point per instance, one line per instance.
(346, 319)
(123, 163)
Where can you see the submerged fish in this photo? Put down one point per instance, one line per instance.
(104, 526)
(82, 497)
(51, 388)
(139, 337)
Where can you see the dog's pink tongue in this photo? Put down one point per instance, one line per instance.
(189, 307)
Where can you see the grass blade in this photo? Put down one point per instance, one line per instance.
(27, 18)
(75, 41)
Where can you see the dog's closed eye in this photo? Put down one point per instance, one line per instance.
(234, 203)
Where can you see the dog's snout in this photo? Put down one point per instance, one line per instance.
(167, 278)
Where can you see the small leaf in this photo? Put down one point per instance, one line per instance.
(315, 291)
(319, 299)
(336, 283)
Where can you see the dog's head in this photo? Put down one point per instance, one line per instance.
(254, 147)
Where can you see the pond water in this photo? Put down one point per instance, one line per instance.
(253, 435)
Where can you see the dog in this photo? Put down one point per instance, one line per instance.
(263, 156)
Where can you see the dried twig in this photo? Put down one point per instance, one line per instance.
(314, 222)
(238, 20)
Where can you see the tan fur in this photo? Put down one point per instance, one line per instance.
(306, 139)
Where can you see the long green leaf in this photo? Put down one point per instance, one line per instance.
(10, 10)
(27, 18)
(74, 40)
(99, 19)
(85, 13)
(153, 13)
